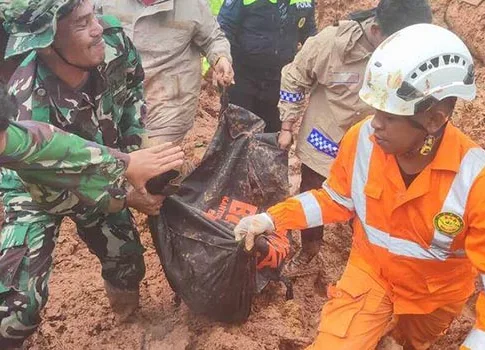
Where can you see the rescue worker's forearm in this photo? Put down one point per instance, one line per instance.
(290, 113)
(301, 75)
(210, 38)
(287, 125)
(296, 82)
(311, 209)
(48, 157)
(31, 145)
(292, 93)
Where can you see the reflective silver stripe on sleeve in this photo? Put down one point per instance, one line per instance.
(311, 208)
(337, 198)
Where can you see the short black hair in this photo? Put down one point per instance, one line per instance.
(8, 107)
(394, 15)
(68, 8)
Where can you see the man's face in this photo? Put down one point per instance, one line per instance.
(79, 37)
(395, 134)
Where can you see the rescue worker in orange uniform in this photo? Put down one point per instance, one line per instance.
(413, 185)
(330, 70)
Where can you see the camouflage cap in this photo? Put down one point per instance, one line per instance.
(32, 24)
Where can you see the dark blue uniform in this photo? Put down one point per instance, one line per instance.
(264, 35)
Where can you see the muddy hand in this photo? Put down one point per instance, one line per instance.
(285, 139)
(252, 226)
(150, 162)
(144, 202)
(223, 73)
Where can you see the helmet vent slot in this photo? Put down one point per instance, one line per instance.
(470, 77)
(408, 92)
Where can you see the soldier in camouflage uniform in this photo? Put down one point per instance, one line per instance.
(84, 76)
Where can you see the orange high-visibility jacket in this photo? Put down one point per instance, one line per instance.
(426, 241)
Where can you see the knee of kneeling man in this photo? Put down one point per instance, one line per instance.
(22, 309)
(19, 318)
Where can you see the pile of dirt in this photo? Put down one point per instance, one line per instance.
(332, 11)
(78, 316)
(468, 21)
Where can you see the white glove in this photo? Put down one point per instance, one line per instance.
(252, 226)
(474, 341)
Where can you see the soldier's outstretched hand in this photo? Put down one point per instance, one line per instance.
(150, 162)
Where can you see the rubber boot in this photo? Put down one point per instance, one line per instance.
(122, 302)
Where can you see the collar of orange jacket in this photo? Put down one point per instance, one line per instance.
(448, 157)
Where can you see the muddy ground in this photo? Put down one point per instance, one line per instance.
(77, 315)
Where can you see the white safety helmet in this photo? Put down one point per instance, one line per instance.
(417, 67)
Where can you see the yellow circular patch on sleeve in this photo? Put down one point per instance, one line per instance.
(448, 223)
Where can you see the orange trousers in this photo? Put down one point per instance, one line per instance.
(360, 312)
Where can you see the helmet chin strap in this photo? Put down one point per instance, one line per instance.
(67, 62)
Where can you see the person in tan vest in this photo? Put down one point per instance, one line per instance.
(170, 36)
(330, 69)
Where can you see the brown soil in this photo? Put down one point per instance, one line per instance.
(77, 315)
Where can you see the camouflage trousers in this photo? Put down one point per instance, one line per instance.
(27, 243)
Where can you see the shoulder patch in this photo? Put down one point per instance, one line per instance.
(448, 223)
(110, 21)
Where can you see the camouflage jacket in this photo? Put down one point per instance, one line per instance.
(115, 116)
(61, 168)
